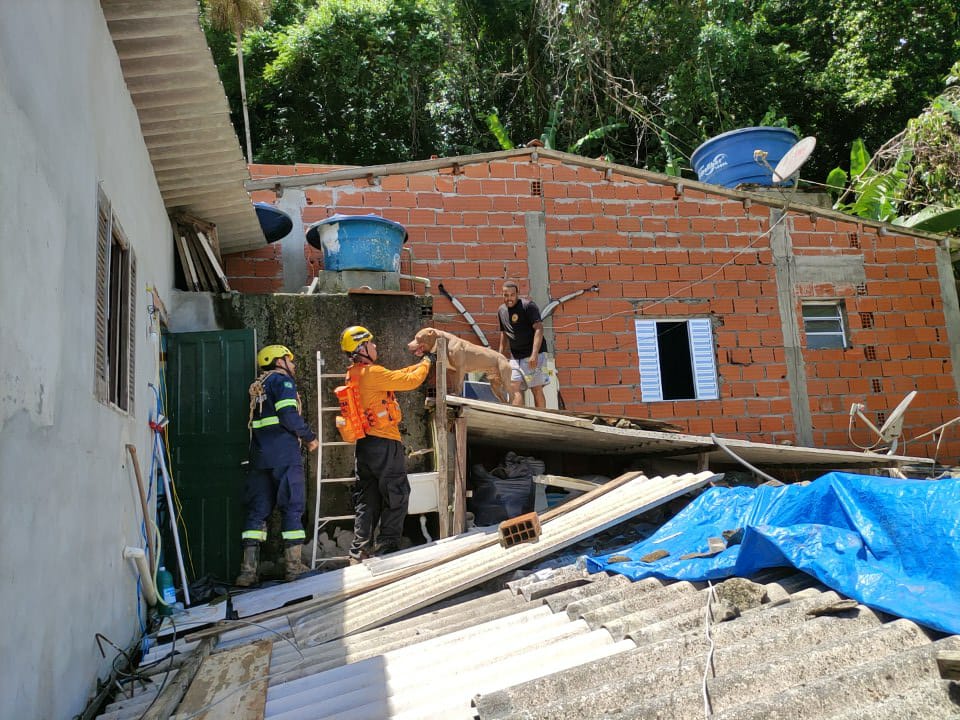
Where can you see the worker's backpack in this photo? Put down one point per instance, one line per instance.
(352, 422)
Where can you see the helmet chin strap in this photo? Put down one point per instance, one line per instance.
(287, 369)
(361, 354)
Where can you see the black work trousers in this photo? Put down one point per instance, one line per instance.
(380, 494)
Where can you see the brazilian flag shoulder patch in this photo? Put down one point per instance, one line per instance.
(288, 384)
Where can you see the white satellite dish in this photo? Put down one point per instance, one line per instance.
(794, 159)
(889, 432)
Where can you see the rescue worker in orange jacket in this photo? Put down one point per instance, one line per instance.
(382, 490)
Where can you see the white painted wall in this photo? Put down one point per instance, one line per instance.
(68, 497)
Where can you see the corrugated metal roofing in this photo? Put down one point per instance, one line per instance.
(184, 116)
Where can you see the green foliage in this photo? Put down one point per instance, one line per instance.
(597, 134)
(357, 81)
(351, 83)
(493, 122)
(877, 195)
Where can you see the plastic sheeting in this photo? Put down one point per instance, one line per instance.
(893, 545)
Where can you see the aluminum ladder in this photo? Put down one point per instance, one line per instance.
(322, 411)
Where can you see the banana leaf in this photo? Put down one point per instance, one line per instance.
(932, 219)
(493, 122)
(596, 134)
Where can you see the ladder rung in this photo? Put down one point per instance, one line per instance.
(328, 518)
(340, 479)
(335, 408)
(327, 376)
(337, 443)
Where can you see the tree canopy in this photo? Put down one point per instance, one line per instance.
(371, 81)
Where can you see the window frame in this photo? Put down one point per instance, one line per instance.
(702, 357)
(115, 313)
(843, 331)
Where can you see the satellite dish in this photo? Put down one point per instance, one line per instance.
(889, 432)
(793, 159)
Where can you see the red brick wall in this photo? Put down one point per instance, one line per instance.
(662, 254)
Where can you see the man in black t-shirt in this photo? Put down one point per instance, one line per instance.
(521, 341)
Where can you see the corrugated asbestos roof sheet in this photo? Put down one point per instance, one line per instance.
(184, 117)
(562, 644)
(544, 430)
(566, 645)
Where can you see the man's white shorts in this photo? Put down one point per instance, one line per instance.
(527, 377)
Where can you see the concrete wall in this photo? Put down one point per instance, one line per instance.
(68, 497)
(664, 251)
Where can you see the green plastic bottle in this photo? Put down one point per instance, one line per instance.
(166, 591)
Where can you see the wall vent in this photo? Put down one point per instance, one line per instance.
(876, 385)
(536, 188)
(870, 352)
(866, 320)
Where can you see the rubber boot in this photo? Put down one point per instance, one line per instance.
(249, 566)
(291, 556)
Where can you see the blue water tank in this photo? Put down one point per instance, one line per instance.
(358, 242)
(727, 159)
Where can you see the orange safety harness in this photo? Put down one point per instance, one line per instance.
(354, 421)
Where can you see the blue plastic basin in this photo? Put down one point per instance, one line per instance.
(727, 159)
(358, 242)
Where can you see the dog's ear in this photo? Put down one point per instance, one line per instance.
(431, 332)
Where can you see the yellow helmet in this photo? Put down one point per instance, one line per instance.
(353, 337)
(271, 353)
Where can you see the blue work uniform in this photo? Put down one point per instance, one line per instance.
(276, 464)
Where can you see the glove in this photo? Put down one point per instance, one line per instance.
(430, 358)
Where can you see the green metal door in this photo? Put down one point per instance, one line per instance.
(208, 374)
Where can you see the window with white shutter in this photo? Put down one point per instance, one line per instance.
(677, 360)
(116, 294)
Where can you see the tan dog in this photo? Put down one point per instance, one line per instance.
(464, 357)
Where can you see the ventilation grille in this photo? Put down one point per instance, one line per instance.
(870, 352)
(876, 385)
(536, 188)
(866, 320)
(855, 241)
(862, 289)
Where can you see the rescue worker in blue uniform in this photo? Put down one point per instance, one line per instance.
(276, 476)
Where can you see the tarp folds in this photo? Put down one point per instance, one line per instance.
(893, 545)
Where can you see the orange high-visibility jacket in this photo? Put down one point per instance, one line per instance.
(377, 386)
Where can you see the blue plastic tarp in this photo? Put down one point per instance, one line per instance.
(893, 545)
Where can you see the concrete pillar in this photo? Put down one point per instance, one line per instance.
(951, 309)
(785, 266)
(294, 259)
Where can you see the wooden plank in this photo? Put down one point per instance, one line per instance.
(570, 483)
(230, 685)
(208, 280)
(214, 263)
(460, 475)
(189, 271)
(168, 700)
(441, 439)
